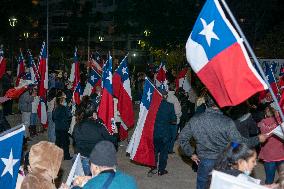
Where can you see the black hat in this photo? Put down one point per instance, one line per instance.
(104, 154)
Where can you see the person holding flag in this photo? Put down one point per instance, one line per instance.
(106, 106)
(122, 90)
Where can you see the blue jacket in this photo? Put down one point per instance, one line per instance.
(164, 119)
(120, 181)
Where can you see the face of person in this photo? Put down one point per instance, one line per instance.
(247, 166)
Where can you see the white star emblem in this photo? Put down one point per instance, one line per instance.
(208, 31)
(149, 95)
(124, 70)
(9, 163)
(93, 78)
(109, 77)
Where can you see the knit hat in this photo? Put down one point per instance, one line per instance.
(104, 154)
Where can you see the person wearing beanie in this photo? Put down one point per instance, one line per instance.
(104, 171)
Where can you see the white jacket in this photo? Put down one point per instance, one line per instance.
(174, 100)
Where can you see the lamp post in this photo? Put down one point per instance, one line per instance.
(12, 22)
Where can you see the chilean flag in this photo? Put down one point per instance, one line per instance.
(96, 62)
(106, 106)
(94, 80)
(182, 80)
(270, 69)
(34, 75)
(15, 92)
(161, 79)
(216, 53)
(2, 63)
(75, 70)
(141, 145)
(77, 94)
(21, 68)
(43, 84)
(122, 90)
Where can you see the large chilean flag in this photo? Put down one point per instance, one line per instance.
(122, 90)
(2, 63)
(95, 79)
(43, 85)
(216, 53)
(141, 145)
(106, 106)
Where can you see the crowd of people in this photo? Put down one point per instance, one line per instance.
(228, 140)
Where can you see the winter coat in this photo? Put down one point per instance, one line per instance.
(87, 133)
(25, 102)
(247, 126)
(174, 100)
(62, 118)
(45, 160)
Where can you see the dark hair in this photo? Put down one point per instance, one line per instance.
(59, 97)
(172, 87)
(209, 100)
(51, 94)
(232, 153)
(89, 109)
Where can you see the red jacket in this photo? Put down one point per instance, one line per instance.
(273, 148)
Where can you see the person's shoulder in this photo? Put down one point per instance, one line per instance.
(125, 178)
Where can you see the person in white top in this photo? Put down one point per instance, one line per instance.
(34, 116)
(174, 100)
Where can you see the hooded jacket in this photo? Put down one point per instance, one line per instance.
(45, 160)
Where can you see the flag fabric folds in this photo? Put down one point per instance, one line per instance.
(94, 80)
(15, 92)
(78, 92)
(161, 79)
(122, 90)
(34, 75)
(75, 71)
(141, 145)
(2, 63)
(20, 69)
(10, 156)
(182, 80)
(96, 62)
(106, 106)
(43, 85)
(216, 53)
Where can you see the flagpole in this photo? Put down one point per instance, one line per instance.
(254, 58)
(47, 40)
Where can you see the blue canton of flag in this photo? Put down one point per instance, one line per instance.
(211, 31)
(94, 77)
(107, 75)
(122, 70)
(79, 89)
(148, 93)
(10, 157)
(270, 69)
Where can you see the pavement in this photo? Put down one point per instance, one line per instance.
(180, 175)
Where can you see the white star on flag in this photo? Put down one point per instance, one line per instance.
(208, 31)
(9, 163)
(124, 70)
(93, 78)
(109, 77)
(149, 95)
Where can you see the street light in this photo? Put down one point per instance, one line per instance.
(147, 33)
(26, 35)
(101, 38)
(61, 39)
(12, 22)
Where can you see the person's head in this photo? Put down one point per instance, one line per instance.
(209, 101)
(89, 109)
(237, 156)
(172, 87)
(164, 93)
(269, 111)
(61, 98)
(103, 157)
